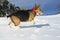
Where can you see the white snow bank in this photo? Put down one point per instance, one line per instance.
(51, 32)
(3, 20)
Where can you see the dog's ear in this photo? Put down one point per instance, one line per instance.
(37, 6)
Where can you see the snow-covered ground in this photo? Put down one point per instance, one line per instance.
(47, 28)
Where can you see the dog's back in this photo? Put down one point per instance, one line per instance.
(23, 15)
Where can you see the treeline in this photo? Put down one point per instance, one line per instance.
(7, 8)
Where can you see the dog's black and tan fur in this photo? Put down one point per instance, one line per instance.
(24, 15)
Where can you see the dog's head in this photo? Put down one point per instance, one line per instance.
(37, 9)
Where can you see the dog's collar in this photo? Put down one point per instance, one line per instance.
(33, 9)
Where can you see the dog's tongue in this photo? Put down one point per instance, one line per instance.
(33, 9)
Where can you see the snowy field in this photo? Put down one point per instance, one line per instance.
(47, 28)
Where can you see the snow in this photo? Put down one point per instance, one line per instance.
(46, 28)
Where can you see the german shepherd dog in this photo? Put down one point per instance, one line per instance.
(24, 15)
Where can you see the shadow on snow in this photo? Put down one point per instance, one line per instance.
(38, 26)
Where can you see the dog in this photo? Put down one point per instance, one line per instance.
(24, 15)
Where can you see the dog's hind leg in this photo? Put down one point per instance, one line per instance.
(15, 20)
